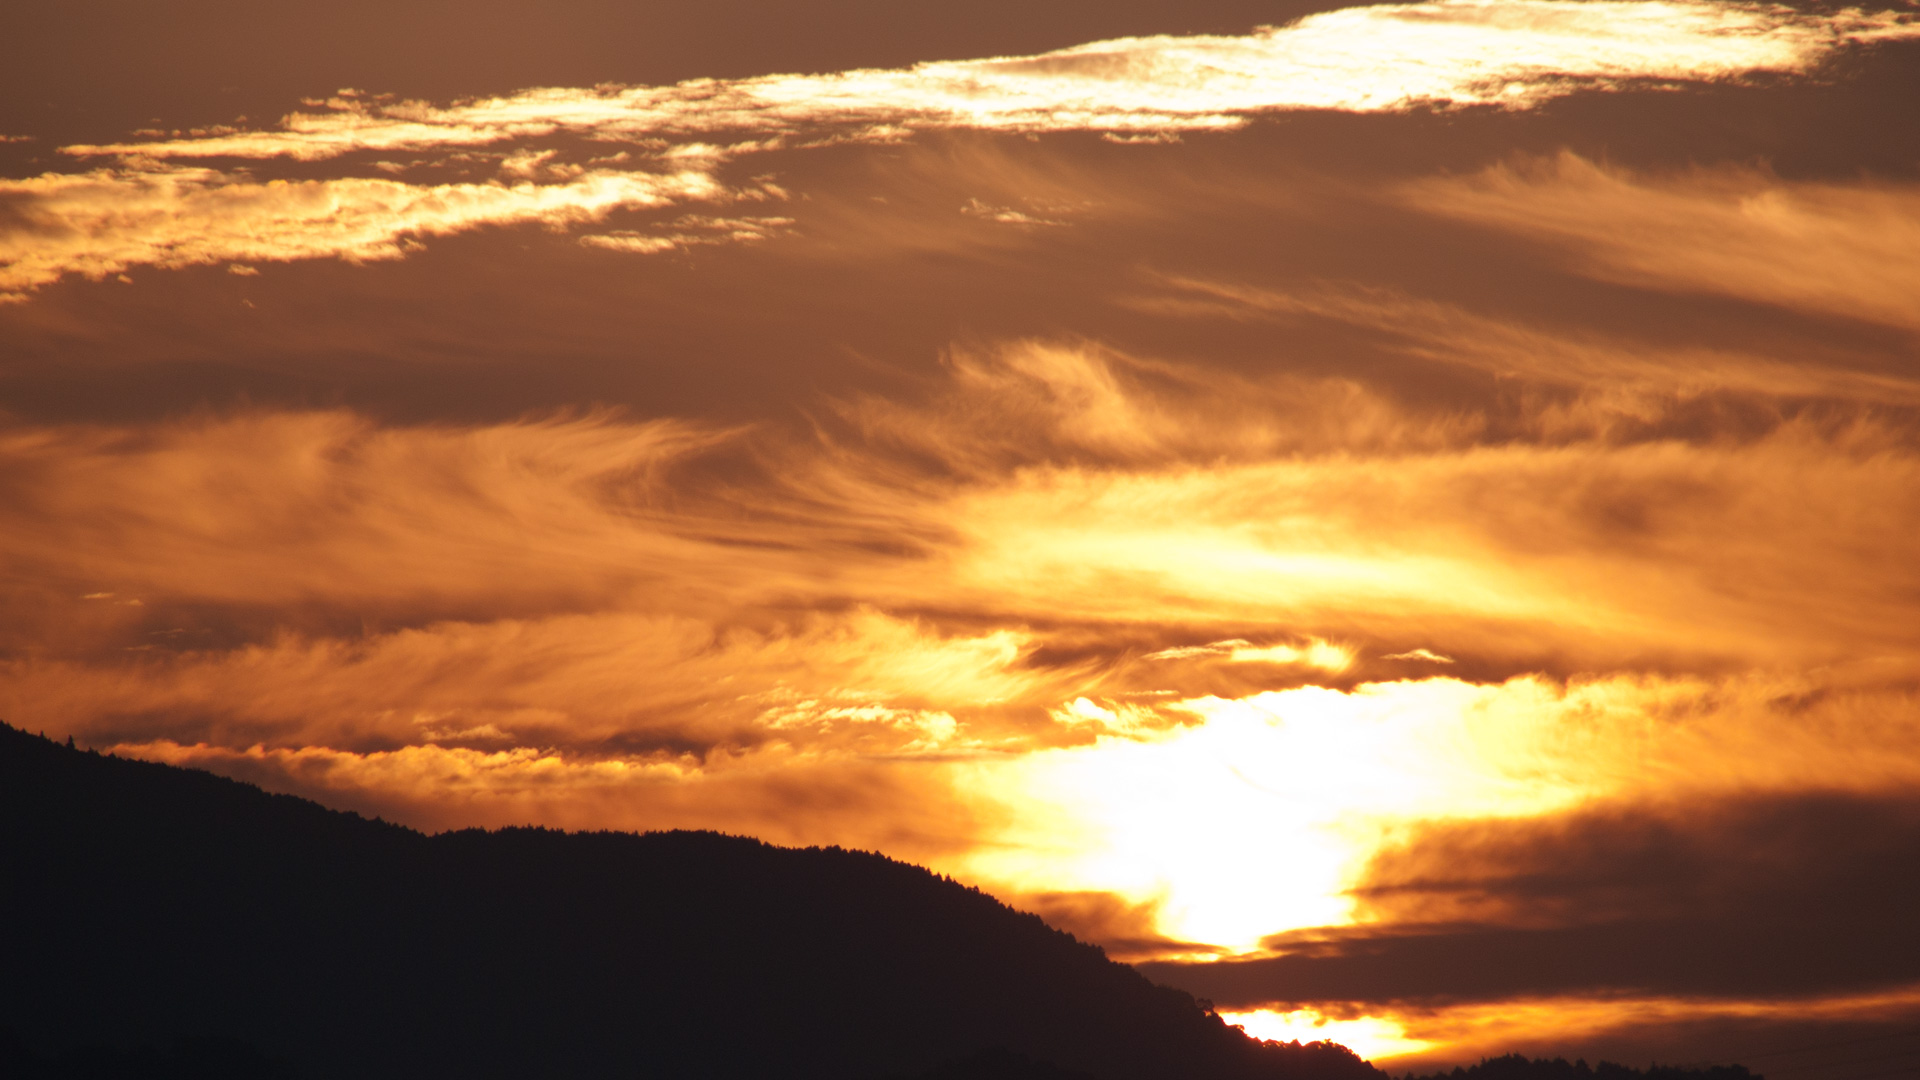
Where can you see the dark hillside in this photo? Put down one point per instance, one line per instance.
(146, 904)
(1517, 1067)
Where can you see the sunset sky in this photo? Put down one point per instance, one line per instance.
(1403, 520)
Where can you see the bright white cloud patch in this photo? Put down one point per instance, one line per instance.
(1511, 53)
(103, 222)
(1504, 53)
(1187, 817)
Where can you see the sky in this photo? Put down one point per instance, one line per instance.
(1400, 520)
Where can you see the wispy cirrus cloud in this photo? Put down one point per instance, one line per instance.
(964, 626)
(691, 230)
(1837, 249)
(108, 221)
(786, 794)
(1607, 365)
(1511, 54)
(1508, 53)
(1588, 551)
(1318, 654)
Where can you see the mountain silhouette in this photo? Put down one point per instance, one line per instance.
(1517, 1067)
(165, 922)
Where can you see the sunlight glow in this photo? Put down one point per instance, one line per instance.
(1256, 815)
(1253, 820)
(1371, 1037)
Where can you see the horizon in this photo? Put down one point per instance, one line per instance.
(1398, 520)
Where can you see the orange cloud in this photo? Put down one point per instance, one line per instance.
(1616, 375)
(1634, 1028)
(1787, 547)
(1835, 249)
(293, 507)
(774, 793)
(1644, 550)
(599, 683)
(1549, 1026)
(1502, 53)
(691, 230)
(1505, 53)
(108, 221)
(1079, 598)
(1170, 816)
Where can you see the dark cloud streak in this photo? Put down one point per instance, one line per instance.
(1785, 896)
